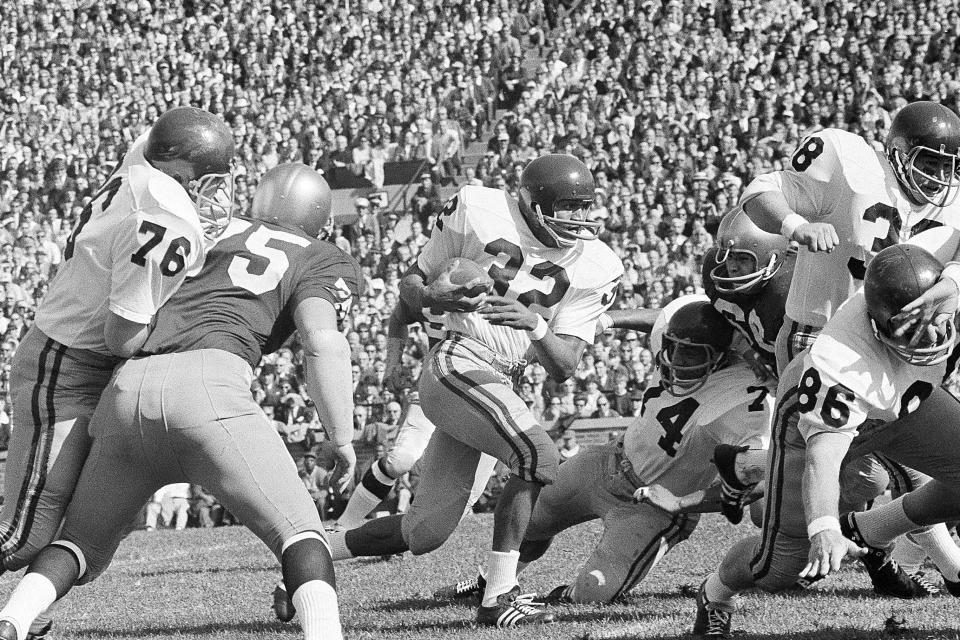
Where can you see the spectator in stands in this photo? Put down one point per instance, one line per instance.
(316, 480)
(604, 410)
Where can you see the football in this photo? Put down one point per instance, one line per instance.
(465, 272)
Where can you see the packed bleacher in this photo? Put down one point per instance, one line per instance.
(675, 105)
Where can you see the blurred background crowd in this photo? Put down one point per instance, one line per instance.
(675, 104)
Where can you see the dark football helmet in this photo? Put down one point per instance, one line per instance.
(924, 148)
(898, 275)
(694, 345)
(203, 145)
(556, 183)
(738, 234)
(294, 194)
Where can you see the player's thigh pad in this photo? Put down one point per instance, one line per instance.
(119, 474)
(220, 439)
(580, 493)
(926, 440)
(449, 469)
(635, 538)
(470, 401)
(783, 548)
(54, 391)
(412, 439)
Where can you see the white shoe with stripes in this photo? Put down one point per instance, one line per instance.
(513, 609)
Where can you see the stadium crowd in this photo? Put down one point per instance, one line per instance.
(675, 105)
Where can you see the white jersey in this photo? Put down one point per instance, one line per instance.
(672, 441)
(850, 379)
(568, 286)
(836, 177)
(135, 243)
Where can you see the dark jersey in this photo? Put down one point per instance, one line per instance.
(757, 316)
(244, 297)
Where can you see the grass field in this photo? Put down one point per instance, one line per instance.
(217, 584)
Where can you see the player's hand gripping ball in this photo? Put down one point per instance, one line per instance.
(461, 285)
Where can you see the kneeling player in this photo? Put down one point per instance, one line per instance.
(185, 413)
(856, 384)
(704, 397)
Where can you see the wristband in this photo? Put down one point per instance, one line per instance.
(821, 524)
(951, 272)
(538, 331)
(604, 322)
(790, 224)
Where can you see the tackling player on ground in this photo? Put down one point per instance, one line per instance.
(552, 279)
(703, 397)
(184, 412)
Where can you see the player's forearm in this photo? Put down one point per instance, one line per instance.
(559, 355)
(123, 337)
(329, 382)
(769, 210)
(821, 476)
(637, 319)
(413, 288)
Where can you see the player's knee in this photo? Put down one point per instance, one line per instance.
(782, 575)
(429, 534)
(541, 461)
(595, 587)
(399, 461)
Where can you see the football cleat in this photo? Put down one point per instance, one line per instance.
(461, 590)
(888, 578)
(282, 604)
(713, 618)
(39, 629)
(8, 631)
(559, 595)
(513, 609)
(924, 583)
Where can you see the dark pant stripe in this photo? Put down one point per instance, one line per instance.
(452, 382)
(643, 560)
(531, 447)
(775, 484)
(898, 473)
(12, 539)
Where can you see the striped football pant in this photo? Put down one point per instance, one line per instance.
(55, 391)
(635, 536)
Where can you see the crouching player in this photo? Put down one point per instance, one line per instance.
(703, 397)
(856, 384)
(184, 412)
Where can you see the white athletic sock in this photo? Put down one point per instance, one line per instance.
(32, 596)
(338, 545)
(908, 554)
(362, 502)
(717, 592)
(881, 525)
(941, 548)
(501, 575)
(316, 603)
